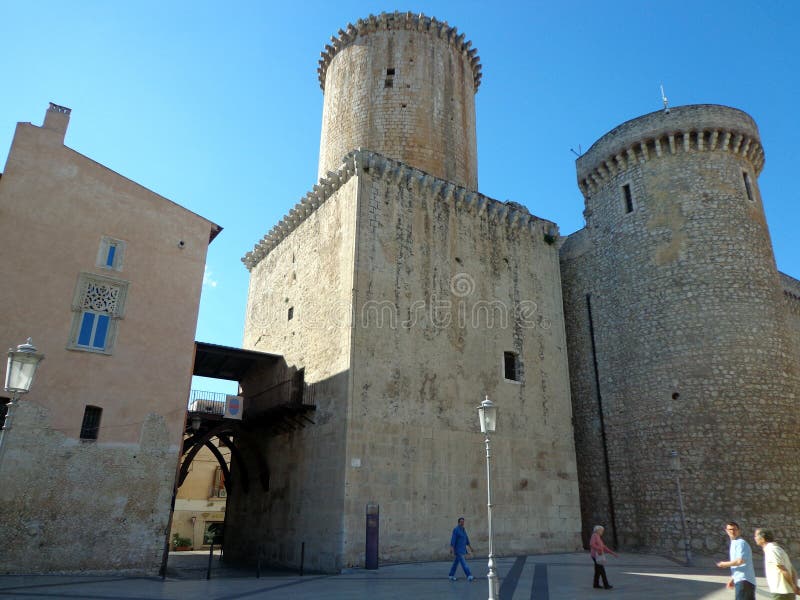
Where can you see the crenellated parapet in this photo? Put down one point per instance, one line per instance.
(791, 290)
(377, 166)
(399, 21)
(59, 109)
(684, 129)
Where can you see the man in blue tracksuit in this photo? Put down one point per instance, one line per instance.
(459, 543)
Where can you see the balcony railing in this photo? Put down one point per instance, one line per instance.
(292, 392)
(207, 402)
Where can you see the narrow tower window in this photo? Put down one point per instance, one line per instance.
(110, 254)
(627, 198)
(511, 370)
(91, 422)
(389, 81)
(747, 185)
(290, 314)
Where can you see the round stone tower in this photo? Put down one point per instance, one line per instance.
(688, 328)
(402, 85)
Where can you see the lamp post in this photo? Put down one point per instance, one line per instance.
(487, 413)
(675, 464)
(21, 367)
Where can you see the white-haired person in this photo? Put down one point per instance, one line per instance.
(781, 576)
(598, 551)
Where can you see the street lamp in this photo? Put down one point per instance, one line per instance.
(487, 413)
(675, 464)
(21, 367)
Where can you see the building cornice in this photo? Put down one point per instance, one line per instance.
(399, 21)
(377, 166)
(675, 142)
(791, 287)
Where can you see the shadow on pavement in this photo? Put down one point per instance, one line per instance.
(195, 565)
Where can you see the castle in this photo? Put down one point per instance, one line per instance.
(645, 367)
(406, 296)
(662, 330)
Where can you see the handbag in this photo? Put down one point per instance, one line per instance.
(600, 559)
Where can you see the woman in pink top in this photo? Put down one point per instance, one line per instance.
(598, 550)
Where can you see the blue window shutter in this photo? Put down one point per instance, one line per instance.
(112, 250)
(85, 333)
(101, 332)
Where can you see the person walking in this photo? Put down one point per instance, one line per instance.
(781, 576)
(459, 548)
(598, 551)
(743, 575)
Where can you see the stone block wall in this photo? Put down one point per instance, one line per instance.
(446, 282)
(577, 268)
(402, 85)
(791, 293)
(310, 273)
(443, 282)
(692, 350)
(83, 507)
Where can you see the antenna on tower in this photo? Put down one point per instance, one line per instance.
(578, 153)
(664, 100)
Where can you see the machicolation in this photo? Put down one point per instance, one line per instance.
(696, 128)
(399, 21)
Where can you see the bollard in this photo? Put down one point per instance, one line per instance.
(373, 522)
(302, 557)
(210, 558)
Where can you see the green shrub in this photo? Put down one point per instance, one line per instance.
(179, 542)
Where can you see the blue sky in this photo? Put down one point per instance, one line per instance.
(217, 105)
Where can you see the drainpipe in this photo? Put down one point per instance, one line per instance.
(602, 423)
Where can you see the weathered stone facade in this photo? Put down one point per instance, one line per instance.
(445, 285)
(791, 291)
(445, 281)
(404, 296)
(310, 273)
(407, 292)
(680, 335)
(402, 85)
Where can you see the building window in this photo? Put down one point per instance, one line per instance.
(627, 198)
(511, 367)
(291, 313)
(111, 253)
(98, 304)
(218, 489)
(389, 81)
(213, 533)
(91, 422)
(747, 187)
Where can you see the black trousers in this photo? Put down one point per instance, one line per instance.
(599, 571)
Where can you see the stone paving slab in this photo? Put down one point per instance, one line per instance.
(539, 577)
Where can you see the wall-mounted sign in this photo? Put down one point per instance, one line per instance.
(234, 405)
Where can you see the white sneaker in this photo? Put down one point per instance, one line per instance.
(470, 578)
(452, 578)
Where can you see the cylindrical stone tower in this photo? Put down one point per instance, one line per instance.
(402, 85)
(678, 298)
